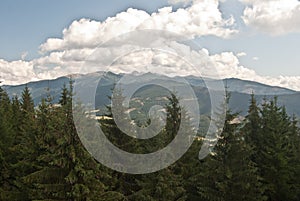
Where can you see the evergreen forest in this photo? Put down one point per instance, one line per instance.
(43, 159)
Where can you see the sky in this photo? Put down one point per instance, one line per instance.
(247, 39)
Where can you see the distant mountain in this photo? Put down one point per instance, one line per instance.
(244, 86)
(239, 102)
(38, 89)
(240, 89)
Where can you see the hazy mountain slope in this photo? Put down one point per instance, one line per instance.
(39, 89)
(240, 90)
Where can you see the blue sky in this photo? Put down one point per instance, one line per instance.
(270, 51)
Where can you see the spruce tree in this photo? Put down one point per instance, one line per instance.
(123, 183)
(6, 136)
(252, 126)
(166, 184)
(25, 148)
(228, 173)
(275, 153)
(68, 172)
(295, 157)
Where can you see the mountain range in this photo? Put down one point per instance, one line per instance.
(240, 90)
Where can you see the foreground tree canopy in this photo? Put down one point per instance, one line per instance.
(42, 158)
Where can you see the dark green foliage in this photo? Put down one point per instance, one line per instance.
(6, 136)
(24, 148)
(67, 170)
(274, 152)
(42, 158)
(229, 174)
(167, 184)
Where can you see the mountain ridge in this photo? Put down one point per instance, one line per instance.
(240, 89)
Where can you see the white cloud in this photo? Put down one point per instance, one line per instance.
(16, 72)
(66, 62)
(275, 17)
(24, 55)
(255, 58)
(241, 54)
(90, 33)
(175, 2)
(201, 18)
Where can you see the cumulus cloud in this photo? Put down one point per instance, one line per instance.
(16, 71)
(223, 65)
(172, 59)
(203, 17)
(90, 33)
(255, 58)
(275, 17)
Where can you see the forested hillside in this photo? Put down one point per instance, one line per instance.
(42, 158)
